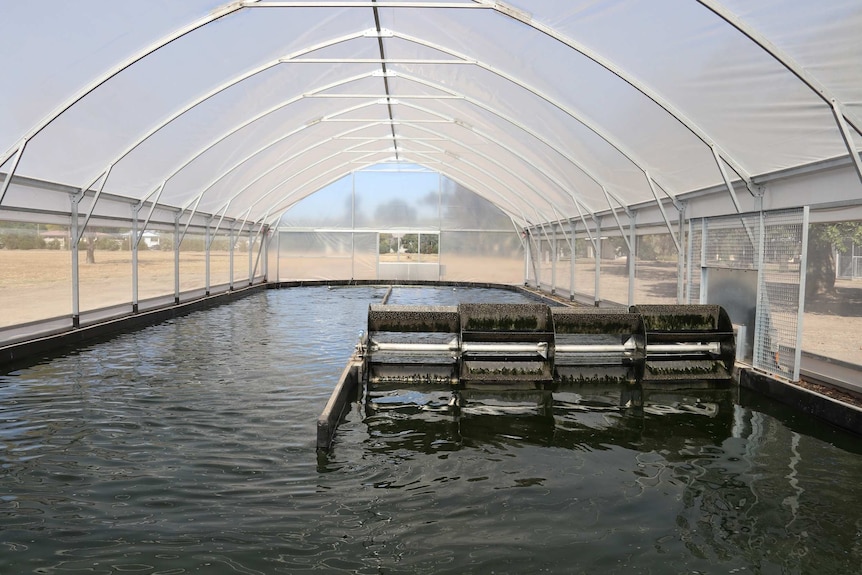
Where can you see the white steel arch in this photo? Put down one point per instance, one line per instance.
(847, 121)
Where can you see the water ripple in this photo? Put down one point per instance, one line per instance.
(189, 447)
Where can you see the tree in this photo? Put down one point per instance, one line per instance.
(823, 241)
(91, 248)
(395, 212)
(410, 243)
(387, 243)
(429, 243)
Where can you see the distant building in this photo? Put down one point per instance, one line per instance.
(55, 239)
(151, 240)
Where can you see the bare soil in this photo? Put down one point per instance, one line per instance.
(37, 284)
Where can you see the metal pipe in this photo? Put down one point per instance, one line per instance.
(413, 347)
(466, 347)
(593, 348)
(711, 347)
(471, 347)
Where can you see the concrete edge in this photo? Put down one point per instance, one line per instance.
(343, 393)
(810, 402)
(540, 296)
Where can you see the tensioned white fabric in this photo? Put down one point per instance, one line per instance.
(548, 108)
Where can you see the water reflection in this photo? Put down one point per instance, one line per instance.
(428, 420)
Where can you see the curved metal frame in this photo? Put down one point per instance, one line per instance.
(845, 122)
(447, 119)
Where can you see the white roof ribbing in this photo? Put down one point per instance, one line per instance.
(548, 108)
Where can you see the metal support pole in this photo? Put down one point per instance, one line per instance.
(680, 265)
(556, 250)
(535, 249)
(572, 262)
(527, 255)
(537, 264)
(633, 256)
(260, 251)
(598, 256)
(764, 308)
(800, 317)
(251, 241)
(76, 272)
(177, 241)
(230, 256)
(265, 264)
(207, 242)
(133, 245)
(704, 229)
(690, 268)
(548, 238)
(277, 255)
(593, 240)
(554, 264)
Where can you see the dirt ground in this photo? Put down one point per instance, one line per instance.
(36, 284)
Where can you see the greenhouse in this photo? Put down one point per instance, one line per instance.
(597, 156)
(161, 158)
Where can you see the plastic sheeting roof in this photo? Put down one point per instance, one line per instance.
(548, 108)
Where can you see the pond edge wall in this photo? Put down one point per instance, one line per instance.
(817, 405)
(34, 350)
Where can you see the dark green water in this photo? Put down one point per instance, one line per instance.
(188, 447)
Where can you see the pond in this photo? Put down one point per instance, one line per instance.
(189, 447)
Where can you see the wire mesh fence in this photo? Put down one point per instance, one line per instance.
(695, 246)
(772, 245)
(778, 333)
